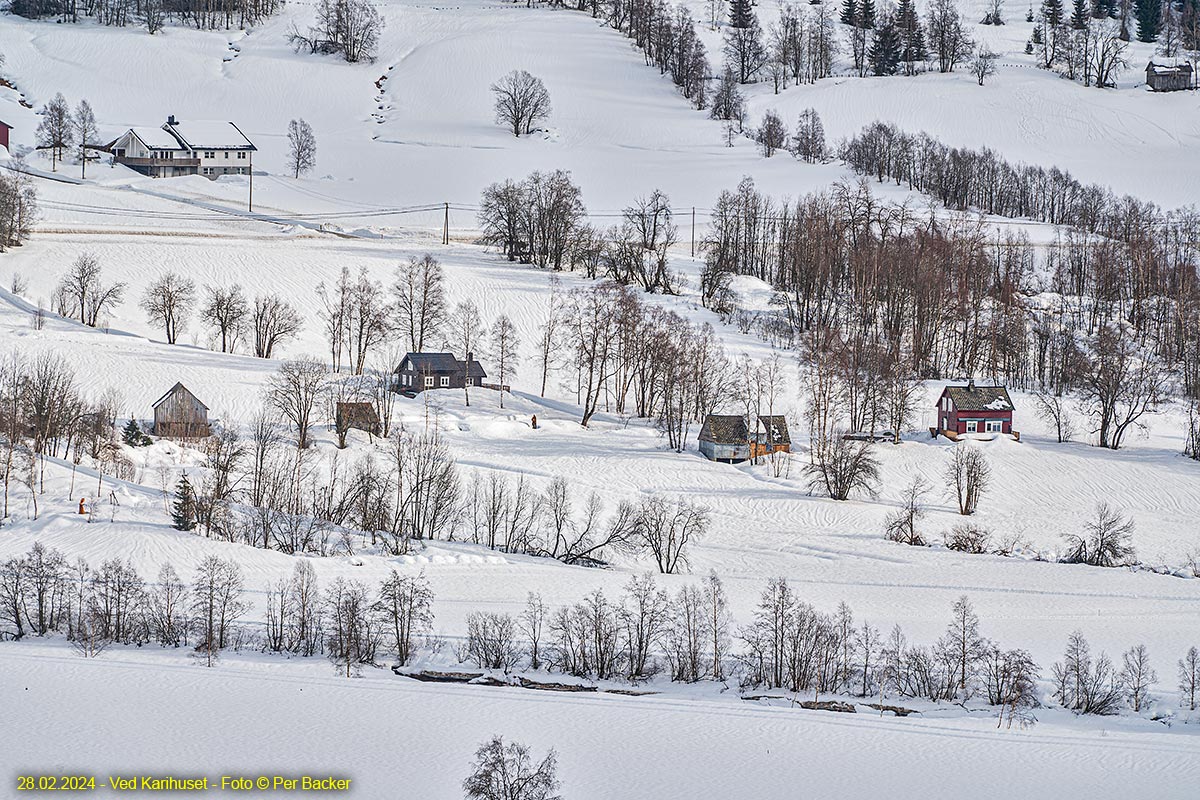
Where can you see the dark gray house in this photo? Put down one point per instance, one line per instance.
(179, 414)
(734, 437)
(420, 371)
(1168, 74)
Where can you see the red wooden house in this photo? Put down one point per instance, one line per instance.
(4, 129)
(974, 409)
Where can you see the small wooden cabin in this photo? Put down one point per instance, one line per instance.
(360, 416)
(1168, 74)
(420, 371)
(733, 438)
(974, 409)
(4, 129)
(179, 414)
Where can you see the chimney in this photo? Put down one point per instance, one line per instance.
(470, 358)
(971, 385)
(171, 120)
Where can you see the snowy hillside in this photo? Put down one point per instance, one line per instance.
(407, 143)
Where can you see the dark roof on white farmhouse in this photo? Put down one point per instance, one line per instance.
(436, 363)
(173, 390)
(979, 398)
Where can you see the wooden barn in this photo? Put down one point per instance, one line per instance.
(359, 416)
(179, 414)
(974, 409)
(1168, 74)
(420, 371)
(733, 438)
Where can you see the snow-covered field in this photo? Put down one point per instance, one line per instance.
(620, 128)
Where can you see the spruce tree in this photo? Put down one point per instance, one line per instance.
(849, 12)
(884, 54)
(866, 14)
(183, 512)
(1052, 11)
(1080, 14)
(741, 14)
(1149, 19)
(133, 434)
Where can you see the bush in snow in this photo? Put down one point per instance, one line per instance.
(492, 640)
(1105, 542)
(968, 538)
(508, 773)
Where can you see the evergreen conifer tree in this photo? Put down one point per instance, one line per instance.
(1080, 14)
(741, 14)
(866, 14)
(884, 53)
(1149, 19)
(1052, 11)
(133, 435)
(183, 512)
(849, 12)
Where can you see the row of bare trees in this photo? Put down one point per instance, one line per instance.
(789, 644)
(153, 14)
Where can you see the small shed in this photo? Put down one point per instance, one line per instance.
(975, 409)
(732, 438)
(1168, 74)
(179, 414)
(360, 416)
(4, 129)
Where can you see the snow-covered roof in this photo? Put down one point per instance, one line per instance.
(211, 134)
(1161, 65)
(156, 138)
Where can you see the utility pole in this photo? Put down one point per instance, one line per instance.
(446, 226)
(693, 231)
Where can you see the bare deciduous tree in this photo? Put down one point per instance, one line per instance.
(521, 102)
(294, 390)
(1106, 541)
(168, 302)
(226, 310)
(508, 773)
(302, 147)
(274, 321)
(968, 475)
(420, 300)
(83, 288)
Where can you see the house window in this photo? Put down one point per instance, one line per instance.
(242, 154)
(972, 427)
(994, 426)
(209, 154)
(445, 381)
(428, 381)
(227, 154)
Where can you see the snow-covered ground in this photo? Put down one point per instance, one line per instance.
(427, 136)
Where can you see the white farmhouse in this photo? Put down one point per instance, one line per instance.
(185, 148)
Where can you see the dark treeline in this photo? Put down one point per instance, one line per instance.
(153, 14)
(982, 179)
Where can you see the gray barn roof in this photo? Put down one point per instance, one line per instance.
(735, 429)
